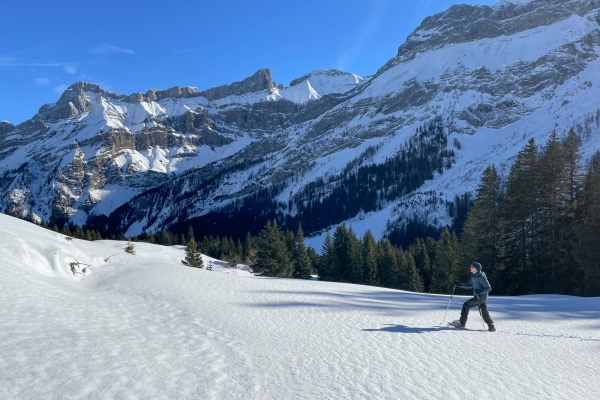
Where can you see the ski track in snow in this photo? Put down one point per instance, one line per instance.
(146, 327)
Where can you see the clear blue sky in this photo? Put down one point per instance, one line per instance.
(126, 46)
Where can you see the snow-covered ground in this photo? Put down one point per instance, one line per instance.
(144, 326)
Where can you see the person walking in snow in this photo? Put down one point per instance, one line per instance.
(481, 287)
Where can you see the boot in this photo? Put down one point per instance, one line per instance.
(457, 323)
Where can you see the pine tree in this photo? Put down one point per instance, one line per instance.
(290, 242)
(390, 269)
(587, 247)
(553, 204)
(328, 259)
(315, 259)
(272, 256)
(370, 259)
(481, 236)
(415, 279)
(343, 251)
(521, 223)
(356, 272)
(445, 263)
(420, 254)
(302, 262)
(248, 251)
(193, 257)
(568, 281)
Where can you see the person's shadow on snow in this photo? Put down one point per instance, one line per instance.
(406, 329)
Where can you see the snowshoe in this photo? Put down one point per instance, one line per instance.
(457, 324)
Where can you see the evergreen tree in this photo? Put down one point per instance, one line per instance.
(481, 237)
(248, 250)
(315, 259)
(290, 242)
(553, 205)
(343, 251)
(272, 256)
(369, 251)
(239, 250)
(415, 279)
(445, 263)
(587, 248)
(521, 223)
(302, 262)
(423, 261)
(567, 277)
(356, 268)
(327, 267)
(390, 267)
(193, 257)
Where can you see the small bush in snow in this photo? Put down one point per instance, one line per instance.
(130, 248)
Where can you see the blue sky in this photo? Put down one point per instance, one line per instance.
(127, 46)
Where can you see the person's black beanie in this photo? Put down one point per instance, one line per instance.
(477, 266)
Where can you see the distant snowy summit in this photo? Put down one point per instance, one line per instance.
(316, 84)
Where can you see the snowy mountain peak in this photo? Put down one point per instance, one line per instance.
(330, 81)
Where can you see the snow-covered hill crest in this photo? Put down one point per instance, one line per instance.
(495, 76)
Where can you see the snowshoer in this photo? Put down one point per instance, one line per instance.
(481, 287)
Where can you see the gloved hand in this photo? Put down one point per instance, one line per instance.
(477, 291)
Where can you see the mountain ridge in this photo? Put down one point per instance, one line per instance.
(479, 71)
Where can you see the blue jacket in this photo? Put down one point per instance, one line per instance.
(478, 281)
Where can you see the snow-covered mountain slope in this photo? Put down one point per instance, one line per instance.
(93, 145)
(494, 77)
(144, 326)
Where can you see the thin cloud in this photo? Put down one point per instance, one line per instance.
(42, 81)
(22, 64)
(110, 49)
(60, 88)
(366, 32)
(70, 68)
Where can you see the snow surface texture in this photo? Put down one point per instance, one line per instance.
(144, 326)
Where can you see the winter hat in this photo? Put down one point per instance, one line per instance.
(477, 266)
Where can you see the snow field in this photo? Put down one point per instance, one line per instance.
(144, 326)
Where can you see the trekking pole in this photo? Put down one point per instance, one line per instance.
(480, 314)
(448, 304)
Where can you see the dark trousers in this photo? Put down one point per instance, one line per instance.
(474, 302)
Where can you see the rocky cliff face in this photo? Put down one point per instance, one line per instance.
(495, 76)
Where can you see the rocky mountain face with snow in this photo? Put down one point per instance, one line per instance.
(485, 79)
